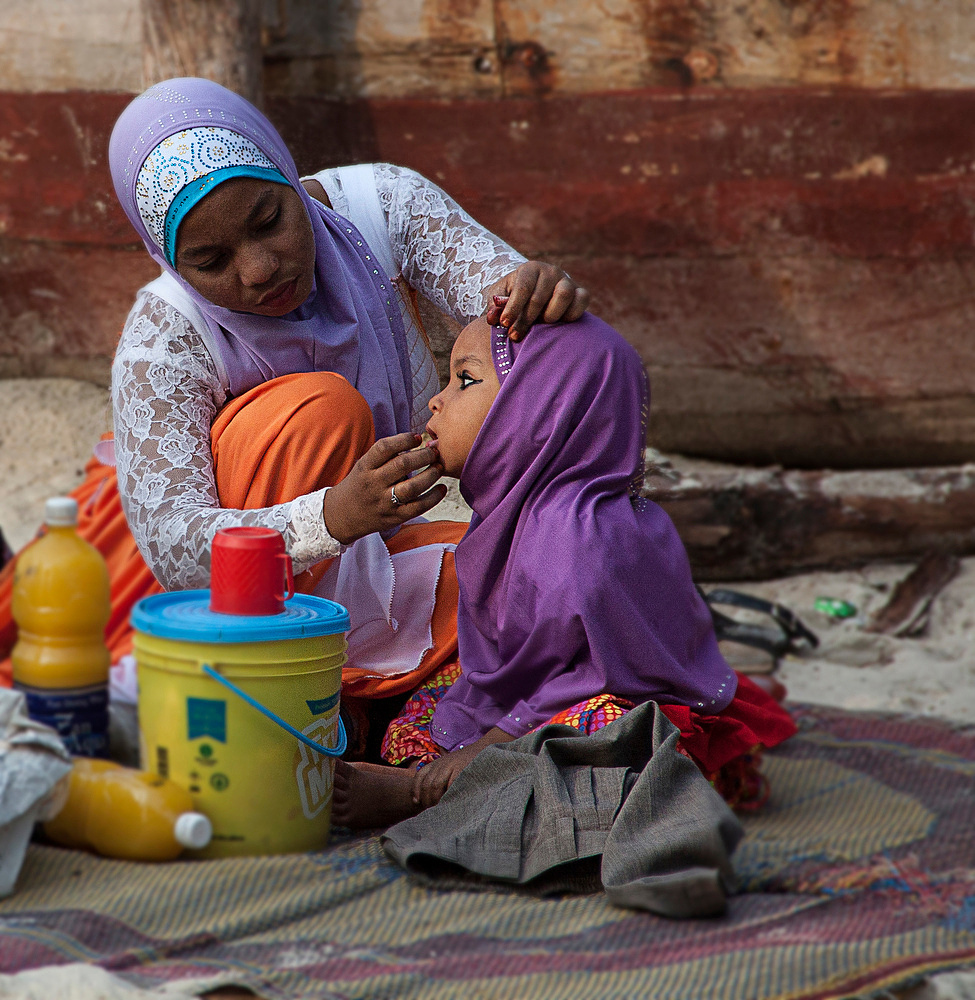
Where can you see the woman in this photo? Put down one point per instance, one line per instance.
(255, 373)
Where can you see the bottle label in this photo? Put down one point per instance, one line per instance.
(79, 715)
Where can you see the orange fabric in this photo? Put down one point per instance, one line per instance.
(356, 683)
(281, 440)
(298, 434)
(101, 522)
(288, 437)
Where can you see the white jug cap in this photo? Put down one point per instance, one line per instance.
(60, 511)
(193, 830)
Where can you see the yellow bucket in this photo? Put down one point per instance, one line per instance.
(243, 712)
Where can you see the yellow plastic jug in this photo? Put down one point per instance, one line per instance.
(243, 712)
(61, 605)
(123, 813)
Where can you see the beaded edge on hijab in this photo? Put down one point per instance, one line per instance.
(502, 353)
(197, 117)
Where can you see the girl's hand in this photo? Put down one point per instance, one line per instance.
(535, 292)
(436, 777)
(365, 500)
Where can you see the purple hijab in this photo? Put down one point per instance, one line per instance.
(350, 324)
(570, 584)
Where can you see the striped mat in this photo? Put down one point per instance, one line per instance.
(858, 877)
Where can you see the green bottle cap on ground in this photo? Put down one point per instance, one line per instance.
(834, 607)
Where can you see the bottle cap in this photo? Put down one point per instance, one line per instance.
(60, 511)
(193, 830)
(834, 607)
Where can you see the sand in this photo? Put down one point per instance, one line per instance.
(49, 426)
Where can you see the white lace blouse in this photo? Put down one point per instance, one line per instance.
(166, 388)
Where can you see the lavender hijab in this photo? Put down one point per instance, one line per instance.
(570, 584)
(350, 324)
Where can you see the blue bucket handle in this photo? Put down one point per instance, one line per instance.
(264, 710)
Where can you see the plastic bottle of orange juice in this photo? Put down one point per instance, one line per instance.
(123, 813)
(61, 606)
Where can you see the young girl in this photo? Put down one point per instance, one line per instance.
(576, 598)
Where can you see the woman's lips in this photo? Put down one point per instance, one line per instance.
(281, 295)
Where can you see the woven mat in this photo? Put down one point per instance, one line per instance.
(859, 876)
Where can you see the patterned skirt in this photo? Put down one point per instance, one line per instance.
(726, 746)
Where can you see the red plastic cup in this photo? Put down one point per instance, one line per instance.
(250, 573)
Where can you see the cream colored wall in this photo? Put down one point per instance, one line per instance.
(70, 45)
(471, 48)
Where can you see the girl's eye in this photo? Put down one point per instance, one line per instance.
(467, 380)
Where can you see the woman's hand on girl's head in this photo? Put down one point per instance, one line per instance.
(393, 482)
(535, 293)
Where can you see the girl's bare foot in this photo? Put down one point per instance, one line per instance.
(371, 795)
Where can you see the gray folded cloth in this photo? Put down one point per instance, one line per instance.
(541, 812)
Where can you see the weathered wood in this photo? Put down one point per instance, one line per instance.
(62, 307)
(473, 48)
(463, 48)
(907, 611)
(797, 299)
(67, 45)
(759, 523)
(216, 39)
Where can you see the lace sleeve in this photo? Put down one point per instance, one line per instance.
(443, 253)
(165, 393)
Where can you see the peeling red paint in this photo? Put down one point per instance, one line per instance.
(54, 180)
(796, 266)
(660, 173)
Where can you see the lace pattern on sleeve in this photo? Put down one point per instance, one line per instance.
(442, 252)
(165, 393)
(445, 255)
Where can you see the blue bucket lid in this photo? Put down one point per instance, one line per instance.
(186, 614)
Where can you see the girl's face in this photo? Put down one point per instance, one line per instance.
(248, 246)
(460, 408)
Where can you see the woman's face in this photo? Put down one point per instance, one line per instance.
(248, 246)
(460, 408)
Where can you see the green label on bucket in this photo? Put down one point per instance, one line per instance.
(206, 717)
(319, 706)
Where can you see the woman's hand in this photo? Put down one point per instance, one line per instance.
(381, 492)
(535, 292)
(436, 777)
